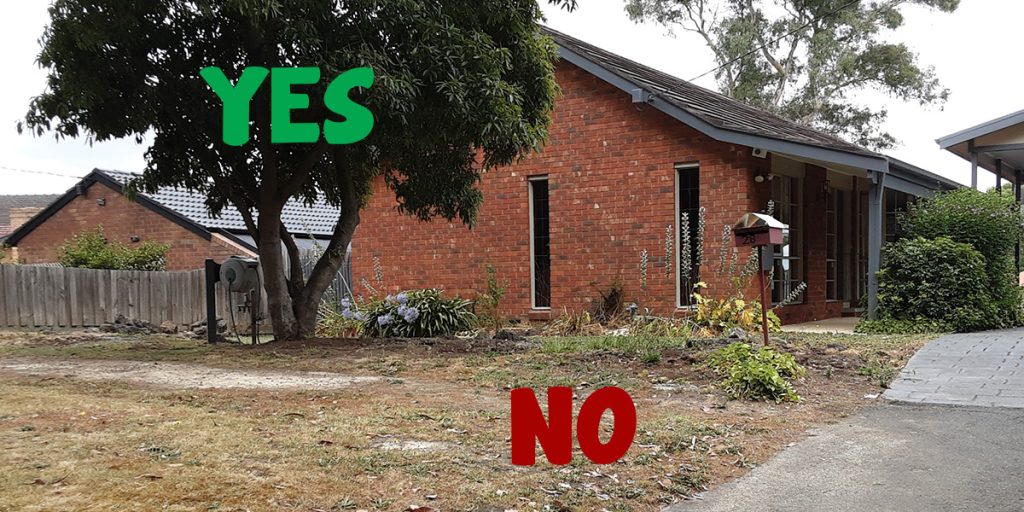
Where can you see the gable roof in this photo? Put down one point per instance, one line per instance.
(188, 210)
(315, 221)
(718, 116)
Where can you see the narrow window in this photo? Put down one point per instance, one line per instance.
(540, 242)
(688, 232)
(788, 273)
(833, 251)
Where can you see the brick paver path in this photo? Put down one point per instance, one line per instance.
(980, 369)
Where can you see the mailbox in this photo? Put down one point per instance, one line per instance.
(758, 229)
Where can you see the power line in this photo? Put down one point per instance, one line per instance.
(777, 39)
(47, 173)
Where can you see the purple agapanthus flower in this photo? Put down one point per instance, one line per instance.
(347, 314)
(385, 319)
(359, 315)
(402, 298)
(389, 298)
(346, 303)
(410, 315)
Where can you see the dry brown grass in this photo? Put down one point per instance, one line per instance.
(76, 445)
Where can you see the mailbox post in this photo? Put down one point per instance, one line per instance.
(758, 230)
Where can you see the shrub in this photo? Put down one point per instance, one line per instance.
(716, 316)
(989, 222)
(938, 282)
(490, 301)
(756, 374)
(91, 249)
(414, 314)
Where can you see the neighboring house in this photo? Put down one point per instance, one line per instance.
(15, 210)
(631, 149)
(171, 216)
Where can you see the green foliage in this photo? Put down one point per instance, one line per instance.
(634, 345)
(756, 374)
(970, 290)
(716, 316)
(436, 315)
(91, 249)
(460, 87)
(807, 60)
(882, 372)
(489, 302)
(936, 280)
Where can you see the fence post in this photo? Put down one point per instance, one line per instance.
(212, 276)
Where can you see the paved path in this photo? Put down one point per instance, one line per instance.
(980, 369)
(906, 458)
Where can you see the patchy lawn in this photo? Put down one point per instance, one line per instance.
(429, 428)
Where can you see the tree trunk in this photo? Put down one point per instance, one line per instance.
(330, 262)
(279, 301)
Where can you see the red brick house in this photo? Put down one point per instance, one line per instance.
(171, 216)
(631, 150)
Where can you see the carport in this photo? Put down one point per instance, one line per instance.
(996, 146)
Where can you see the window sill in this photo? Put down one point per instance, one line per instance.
(539, 314)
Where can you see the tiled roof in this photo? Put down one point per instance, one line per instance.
(711, 107)
(8, 202)
(23, 201)
(301, 220)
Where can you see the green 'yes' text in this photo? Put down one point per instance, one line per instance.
(237, 98)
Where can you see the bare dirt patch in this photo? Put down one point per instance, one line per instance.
(180, 375)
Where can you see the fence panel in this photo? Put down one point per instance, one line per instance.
(53, 296)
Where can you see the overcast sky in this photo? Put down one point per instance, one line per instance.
(972, 51)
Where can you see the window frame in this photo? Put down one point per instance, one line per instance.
(531, 180)
(677, 169)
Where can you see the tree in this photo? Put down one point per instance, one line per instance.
(460, 86)
(807, 59)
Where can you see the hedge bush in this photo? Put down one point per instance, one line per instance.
(936, 281)
(91, 249)
(989, 222)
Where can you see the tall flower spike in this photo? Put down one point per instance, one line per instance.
(643, 269)
(685, 263)
(701, 227)
(668, 250)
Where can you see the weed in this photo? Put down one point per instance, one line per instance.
(882, 372)
(751, 374)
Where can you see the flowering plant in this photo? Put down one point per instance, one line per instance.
(413, 314)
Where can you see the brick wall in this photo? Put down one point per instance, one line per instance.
(611, 173)
(121, 219)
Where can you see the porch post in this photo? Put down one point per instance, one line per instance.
(999, 175)
(875, 204)
(974, 164)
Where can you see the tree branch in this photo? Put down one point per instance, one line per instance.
(296, 281)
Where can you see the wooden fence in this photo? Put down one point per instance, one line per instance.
(53, 296)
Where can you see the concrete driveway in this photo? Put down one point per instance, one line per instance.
(962, 452)
(906, 458)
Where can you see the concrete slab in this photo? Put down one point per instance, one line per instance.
(892, 458)
(841, 325)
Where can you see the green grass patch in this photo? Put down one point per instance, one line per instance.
(642, 345)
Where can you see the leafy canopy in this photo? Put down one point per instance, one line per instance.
(807, 59)
(459, 86)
